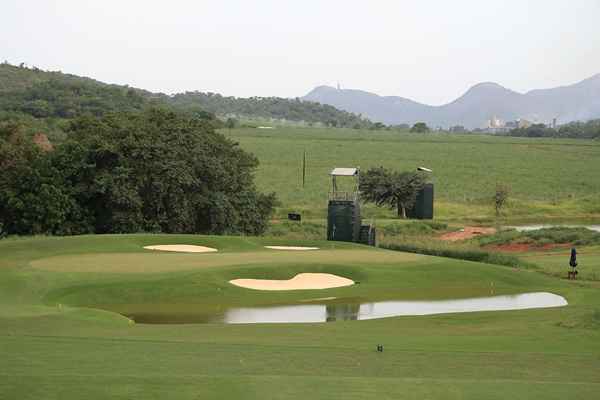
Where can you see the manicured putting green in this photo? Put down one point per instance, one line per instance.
(144, 262)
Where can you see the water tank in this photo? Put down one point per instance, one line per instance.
(343, 220)
(423, 208)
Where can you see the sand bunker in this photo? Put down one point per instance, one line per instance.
(290, 248)
(182, 248)
(299, 282)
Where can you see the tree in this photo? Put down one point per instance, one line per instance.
(395, 189)
(32, 199)
(231, 123)
(155, 171)
(501, 198)
(420, 127)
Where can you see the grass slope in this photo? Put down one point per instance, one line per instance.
(548, 177)
(72, 352)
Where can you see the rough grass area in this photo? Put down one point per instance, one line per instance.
(556, 262)
(413, 228)
(60, 339)
(461, 252)
(543, 237)
(549, 178)
(316, 229)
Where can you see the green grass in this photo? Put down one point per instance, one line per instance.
(72, 351)
(556, 262)
(549, 178)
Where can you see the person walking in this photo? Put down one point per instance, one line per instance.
(573, 263)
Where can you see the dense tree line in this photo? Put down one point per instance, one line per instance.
(152, 171)
(574, 130)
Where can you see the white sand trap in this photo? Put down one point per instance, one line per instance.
(182, 248)
(299, 282)
(290, 248)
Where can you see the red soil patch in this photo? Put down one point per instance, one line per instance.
(42, 142)
(468, 232)
(526, 247)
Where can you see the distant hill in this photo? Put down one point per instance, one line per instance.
(268, 108)
(580, 101)
(47, 99)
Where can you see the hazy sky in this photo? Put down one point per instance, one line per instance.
(430, 51)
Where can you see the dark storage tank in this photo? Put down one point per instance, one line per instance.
(343, 220)
(423, 208)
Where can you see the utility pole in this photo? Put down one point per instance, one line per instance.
(303, 168)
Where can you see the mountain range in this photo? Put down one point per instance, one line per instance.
(580, 101)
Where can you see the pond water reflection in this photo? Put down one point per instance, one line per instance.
(525, 228)
(361, 311)
(339, 310)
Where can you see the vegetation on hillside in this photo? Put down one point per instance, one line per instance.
(154, 171)
(277, 108)
(45, 101)
(575, 130)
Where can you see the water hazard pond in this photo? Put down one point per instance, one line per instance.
(338, 310)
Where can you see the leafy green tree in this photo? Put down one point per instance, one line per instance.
(501, 197)
(32, 200)
(162, 172)
(420, 127)
(397, 190)
(231, 123)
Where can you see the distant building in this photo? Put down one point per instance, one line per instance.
(495, 122)
(523, 123)
(495, 125)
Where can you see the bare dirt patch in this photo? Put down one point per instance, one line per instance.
(305, 281)
(182, 248)
(468, 232)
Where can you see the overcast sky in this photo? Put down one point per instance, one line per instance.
(430, 51)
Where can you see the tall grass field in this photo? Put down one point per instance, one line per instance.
(548, 178)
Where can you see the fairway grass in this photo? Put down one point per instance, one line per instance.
(59, 339)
